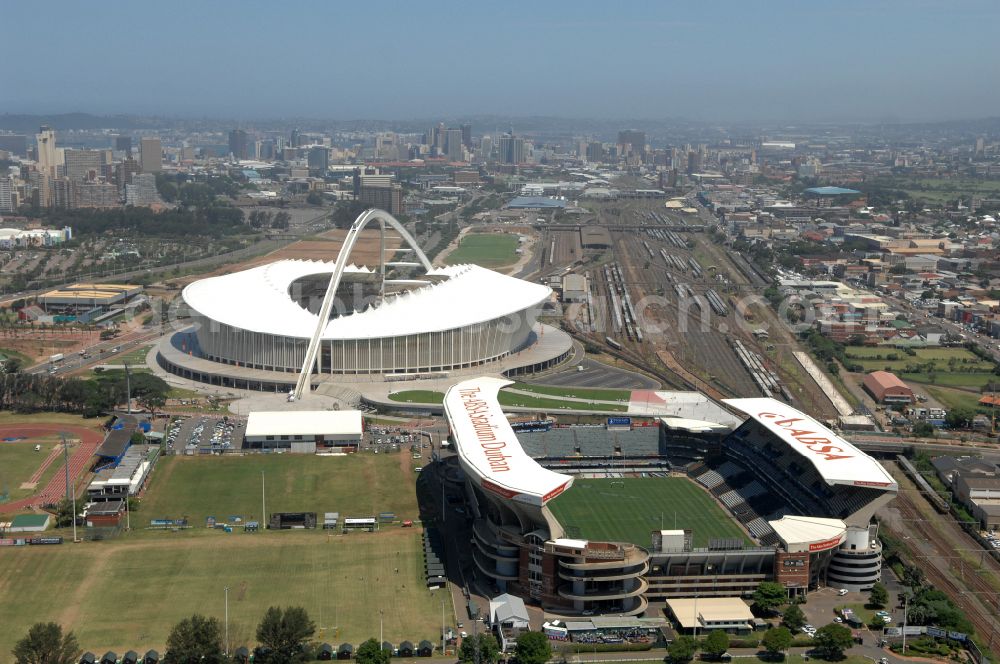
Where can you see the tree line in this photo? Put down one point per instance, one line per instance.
(284, 635)
(30, 393)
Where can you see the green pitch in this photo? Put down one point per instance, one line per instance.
(485, 249)
(628, 510)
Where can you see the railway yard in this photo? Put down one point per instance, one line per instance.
(950, 559)
(664, 296)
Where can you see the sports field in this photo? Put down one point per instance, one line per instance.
(628, 510)
(485, 249)
(126, 593)
(19, 462)
(355, 485)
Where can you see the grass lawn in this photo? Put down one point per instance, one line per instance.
(354, 485)
(8, 353)
(542, 403)
(607, 510)
(342, 581)
(510, 399)
(8, 417)
(134, 357)
(952, 398)
(417, 396)
(19, 461)
(940, 357)
(596, 394)
(485, 249)
(953, 379)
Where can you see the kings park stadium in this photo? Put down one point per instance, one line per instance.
(291, 324)
(597, 521)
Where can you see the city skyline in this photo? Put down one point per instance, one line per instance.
(780, 62)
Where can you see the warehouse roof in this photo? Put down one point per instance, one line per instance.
(304, 423)
(488, 449)
(836, 460)
(806, 533)
(688, 610)
(258, 300)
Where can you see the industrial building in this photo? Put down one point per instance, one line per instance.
(887, 388)
(85, 297)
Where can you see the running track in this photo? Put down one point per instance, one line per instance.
(78, 460)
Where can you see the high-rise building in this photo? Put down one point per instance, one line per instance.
(318, 159)
(295, 138)
(467, 135)
(239, 144)
(633, 137)
(485, 148)
(8, 196)
(264, 150)
(511, 149)
(124, 172)
(388, 198)
(595, 152)
(62, 192)
(16, 144)
(96, 195)
(386, 146)
(142, 190)
(151, 155)
(980, 146)
(123, 143)
(453, 145)
(83, 164)
(47, 155)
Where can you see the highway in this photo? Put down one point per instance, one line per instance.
(96, 354)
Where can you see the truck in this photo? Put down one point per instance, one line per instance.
(56, 359)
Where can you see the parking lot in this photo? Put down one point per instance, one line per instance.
(205, 434)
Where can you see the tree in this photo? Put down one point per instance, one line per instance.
(716, 644)
(152, 402)
(682, 649)
(877, 624)
(959, 417)
(879, 595)
(370, 652)
(285, 633)
(832, 640)
(45, 643)
(793, 619)
(777, 640)
(489, 649)
(197, 639)
(533, 648)
(64, 513)
(769, 596)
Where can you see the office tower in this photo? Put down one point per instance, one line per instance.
(238, 144)
(123, 143)
(318, 159)
(386, 146)
(62, 192)
(467, 135)
(453, 145)
(439, 134)
(295, 138)
(15, 144)
(124, 172)
(48, 156)
(142, 190)
(980, 146)
(633, 137)
(485, 148)
(83, 164)
(693, 162)
(388, 198)
(7, 197)
(41, 189)
(595, 152)
(264, 150)
(511, 149)
(150, 155)
(95, 195)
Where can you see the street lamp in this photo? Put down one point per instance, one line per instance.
(227, 620)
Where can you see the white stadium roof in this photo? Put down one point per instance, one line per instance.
(489, 450)
(809, 533)
(836, 460)
(258, 300)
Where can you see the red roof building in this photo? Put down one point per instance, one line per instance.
(887, 388)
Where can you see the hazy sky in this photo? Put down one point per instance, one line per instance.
(741, 60)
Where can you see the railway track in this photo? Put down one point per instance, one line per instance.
(971, 593)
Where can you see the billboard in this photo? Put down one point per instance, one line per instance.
(619, 423)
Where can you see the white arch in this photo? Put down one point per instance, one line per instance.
(302, 386)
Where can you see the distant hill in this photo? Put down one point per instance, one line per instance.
(28, 124)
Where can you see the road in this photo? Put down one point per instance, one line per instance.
(97, 354)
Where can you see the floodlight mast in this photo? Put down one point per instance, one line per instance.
(302, 385)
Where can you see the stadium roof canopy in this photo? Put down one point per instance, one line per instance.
(809, 533)
(488, 449)
(831, 191)
(535, 202)
(836, 460)
(259, 300)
